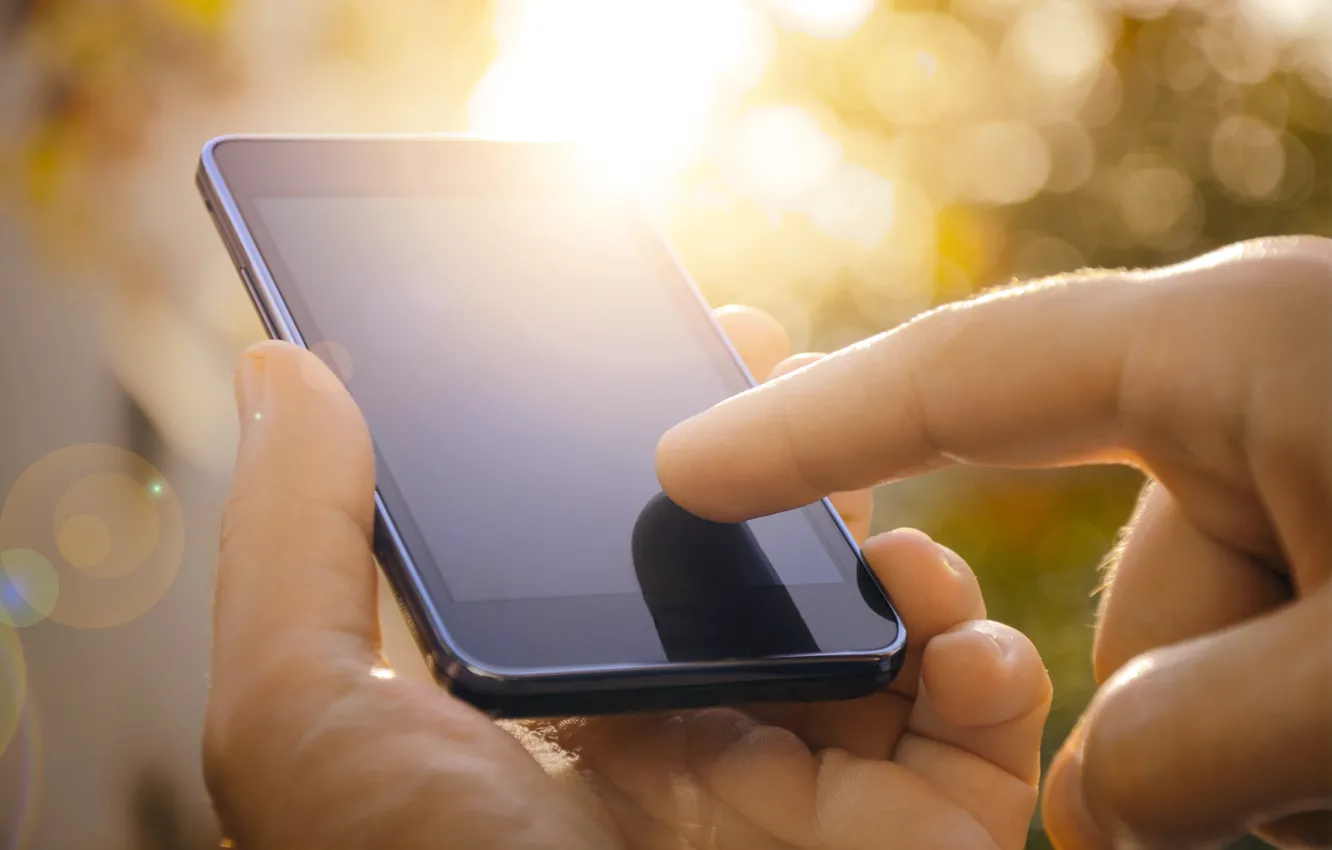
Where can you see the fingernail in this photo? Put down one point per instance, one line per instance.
(953, 561)
(947, 557)
(1002, 642)
(913, 532)
(251, 383)
(1068, 821)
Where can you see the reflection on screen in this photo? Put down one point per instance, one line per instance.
(517, 359)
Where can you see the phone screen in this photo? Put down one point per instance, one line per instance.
(517, 354)
(517, 360)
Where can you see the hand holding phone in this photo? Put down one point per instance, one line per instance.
(309, 742)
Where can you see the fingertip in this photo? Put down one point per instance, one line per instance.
(677, 470)
(933, 589)
(692, 470)
(267, 347)
(984, 673)
(880, 548)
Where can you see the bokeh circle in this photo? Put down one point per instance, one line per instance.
(29, 588)
(106, 523)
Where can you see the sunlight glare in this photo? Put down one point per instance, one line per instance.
(642, 84)
(829, 19)
(778, 156)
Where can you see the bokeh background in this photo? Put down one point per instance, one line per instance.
(843, 164)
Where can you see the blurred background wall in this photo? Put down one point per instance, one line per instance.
(843, 164)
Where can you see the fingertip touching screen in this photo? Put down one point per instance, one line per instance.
(518, 348)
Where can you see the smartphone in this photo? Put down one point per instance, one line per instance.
(519, 337)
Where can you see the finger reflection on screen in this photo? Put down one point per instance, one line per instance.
(712, 591)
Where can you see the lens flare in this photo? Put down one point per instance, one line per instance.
(92, 536)
(94, 505)
(84, 540)
(29, 588)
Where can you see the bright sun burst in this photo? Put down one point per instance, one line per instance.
(641, 83)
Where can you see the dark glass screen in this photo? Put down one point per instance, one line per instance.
(517, 359)
(518, 344)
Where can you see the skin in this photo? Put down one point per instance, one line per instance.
(1214, 644)
(310, 742)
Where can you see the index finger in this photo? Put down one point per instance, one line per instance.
(1026, 377)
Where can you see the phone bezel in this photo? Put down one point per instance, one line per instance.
(451, 664)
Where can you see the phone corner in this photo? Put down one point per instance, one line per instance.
(225, 138)
(210, 152)
(892, 657)
(464, 676)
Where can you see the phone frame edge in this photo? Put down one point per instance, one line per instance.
(503, 691)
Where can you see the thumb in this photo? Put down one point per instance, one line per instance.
(296, 571)
(1204, 740)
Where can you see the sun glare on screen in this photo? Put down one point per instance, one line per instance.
(640, 83)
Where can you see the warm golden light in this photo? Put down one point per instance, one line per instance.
(824, 18)
(84, 540)
(641, 83)
(778, 155)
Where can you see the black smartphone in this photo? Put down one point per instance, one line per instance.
(519, 338)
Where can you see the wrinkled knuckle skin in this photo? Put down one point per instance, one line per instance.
(243, 721)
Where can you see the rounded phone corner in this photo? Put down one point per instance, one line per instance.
(885, 663)
(893, 657)
(464, 676)
(209, 150)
